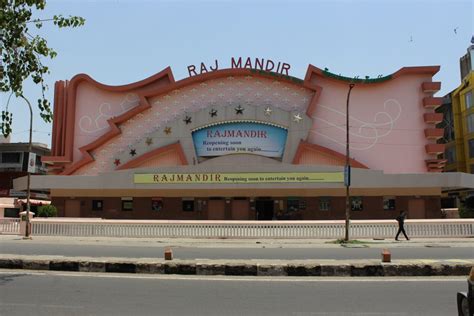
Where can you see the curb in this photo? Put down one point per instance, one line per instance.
(286, 268)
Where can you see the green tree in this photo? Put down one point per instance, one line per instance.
(467, 208)
(47, 211)
(22, 53)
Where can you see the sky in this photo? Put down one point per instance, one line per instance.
(124, 41)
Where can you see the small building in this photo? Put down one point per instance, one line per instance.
(248, 143)
(13, 164)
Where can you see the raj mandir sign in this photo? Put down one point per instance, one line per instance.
(240, 138)
(262, 64)
(232, 178)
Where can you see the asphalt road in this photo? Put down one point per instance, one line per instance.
(183, 252)
(50, 293)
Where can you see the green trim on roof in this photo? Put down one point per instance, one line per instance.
(355, 79)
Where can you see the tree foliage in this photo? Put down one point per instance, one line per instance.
(47, 211)
(22, 53)
(467, 208)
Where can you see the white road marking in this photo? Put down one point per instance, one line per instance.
(233, 278)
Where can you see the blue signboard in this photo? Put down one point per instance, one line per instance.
(240, 138)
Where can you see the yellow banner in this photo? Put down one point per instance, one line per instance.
(256, 177)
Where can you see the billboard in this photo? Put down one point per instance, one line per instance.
(240, 138)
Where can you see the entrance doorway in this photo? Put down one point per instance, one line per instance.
(240, 209)
(264, 210)
(216, 209)
(72, 208)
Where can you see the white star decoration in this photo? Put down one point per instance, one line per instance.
(247, 92)
(297, 117)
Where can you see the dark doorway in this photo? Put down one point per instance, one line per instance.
(264, 210)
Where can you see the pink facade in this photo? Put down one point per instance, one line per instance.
(386, 123)
(99, 128)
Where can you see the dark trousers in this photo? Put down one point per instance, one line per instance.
(401, 229)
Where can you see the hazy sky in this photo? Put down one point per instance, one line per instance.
(126, 41)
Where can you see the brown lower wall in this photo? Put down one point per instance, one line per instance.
(417, 207)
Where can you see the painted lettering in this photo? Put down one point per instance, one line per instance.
(192, 70)
(237, 133)
(278, 67)
(236, 65)
(216, 67)
(248, 63)
(285, 67)
(203, 68)
(268, 67)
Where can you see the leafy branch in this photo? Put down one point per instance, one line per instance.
(22, 53)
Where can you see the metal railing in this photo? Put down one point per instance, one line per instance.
(248, 229)
(10, 226)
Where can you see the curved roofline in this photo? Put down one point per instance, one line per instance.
(427, 70)
(167, 72)
(129, 86)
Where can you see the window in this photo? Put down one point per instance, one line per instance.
(11, 157)
(292, 204)
(324, 204)
(156, 204)
(470, 123)
(127, 204)
(448, 122)
(12, 212)
(468, 99)
(450, 154)
(389, 203)
(97, 205)
(356, 203)
(471, 148)
(188, 205)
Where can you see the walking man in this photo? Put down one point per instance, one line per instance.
(401, 222)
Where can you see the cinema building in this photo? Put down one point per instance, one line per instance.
(247, 144)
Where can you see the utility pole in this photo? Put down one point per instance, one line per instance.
(347, 167)
(27, 230)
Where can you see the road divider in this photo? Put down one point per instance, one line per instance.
(352, 268)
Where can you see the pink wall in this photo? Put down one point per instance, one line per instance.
(386, 123)
(230, 91)
(386, 120)
(93, 108)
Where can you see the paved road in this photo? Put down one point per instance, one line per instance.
(340, 253)
(69, 294)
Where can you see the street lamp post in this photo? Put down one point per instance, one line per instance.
(347, 167)
(27, 230)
